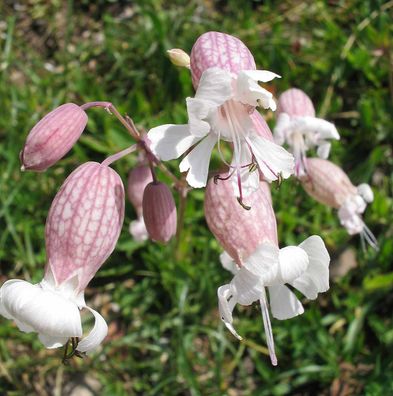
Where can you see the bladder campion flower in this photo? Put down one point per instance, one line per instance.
(222, 109)
(82, 229)
(252, 254)
(300, 129)
(329, 184)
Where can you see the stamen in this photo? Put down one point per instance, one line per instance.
(218, 177)
(268, 328)
(242, 204)
(369, 237)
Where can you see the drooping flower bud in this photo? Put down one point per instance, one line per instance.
(328, 184)
(159, 212)
(253, 256)
(82, 228)
(179, 57)
(52, 137)
(138, 179)
(214, 49)
(298, 127)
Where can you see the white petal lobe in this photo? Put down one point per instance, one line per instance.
(197, 162)
(170, 141)
(96, 335)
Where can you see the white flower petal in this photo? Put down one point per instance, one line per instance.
(42, 311)
(272, 158)
(260, 75)
(215, 85)
(52, 342)
(283, 303)
(264, 262)
(250, 92)
(138, 230)
(364, 190)
(170, 141)
(197, 162)
(313, 125)
(279, 133)
(228, 263)
(226, 303)
(198, 110)
(316, 278)
(96, 335)
(249, 180)
(324, 150)
(293, 263)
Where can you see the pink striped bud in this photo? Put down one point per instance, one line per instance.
(159, 212)
(52, 137)
(239, 231)
(138, 179)
(295, 102)
(328, 184)
(84, 222)
(214, 49)
(82, 229)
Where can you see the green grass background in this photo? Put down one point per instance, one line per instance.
(165, 334)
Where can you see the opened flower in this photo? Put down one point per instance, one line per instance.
(82, 229)
(298, 127)
(329, 184)
(222, 109)
(252, 254)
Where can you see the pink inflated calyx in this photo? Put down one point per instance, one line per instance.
(214, 49)
(52, 137)
(295, 102)
(239, 231)
(159, 212)
(327, 183)
(138, 178)
(84, 223)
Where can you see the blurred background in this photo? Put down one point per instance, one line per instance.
(165, 335)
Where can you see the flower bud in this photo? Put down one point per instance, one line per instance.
(159, 212)
(138, 179)
(84, 223)
(295, 102)
(52, 137)
(239, 231)
(179, 57)
(214, 49)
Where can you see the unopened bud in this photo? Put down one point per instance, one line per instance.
(159, 212)
(84, 223)
(179, 58)
(138, 179)
(239, 231)
(53, 137)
